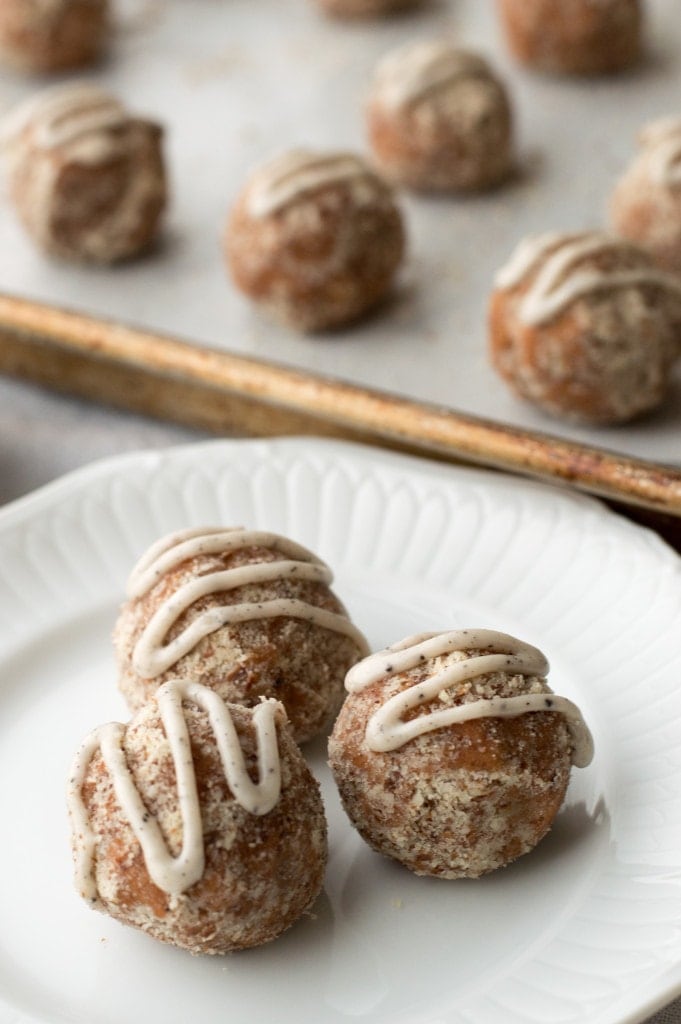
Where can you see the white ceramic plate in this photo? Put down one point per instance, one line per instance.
(585, 929)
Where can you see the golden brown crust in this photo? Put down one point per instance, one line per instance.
(461, 800)
(321, 261)
(579, 37)
(48, 37)
(605, 359)
(458, 138)
(261, 873)
(301, 664)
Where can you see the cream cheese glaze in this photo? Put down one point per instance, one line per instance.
(387, 730)
(412, 72)
(298, 172)
(174, 875)
(561, 279)
(63, 115)
(152, 656)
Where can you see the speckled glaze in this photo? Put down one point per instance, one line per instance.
(247, 613)
(394, 724)
(459, 795)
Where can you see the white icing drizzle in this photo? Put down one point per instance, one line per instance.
(64, 115)
(386, 729)
(407, 75)
(151, 656)
(560, 281)
(174, 875)
(661, 141)
(292, 175)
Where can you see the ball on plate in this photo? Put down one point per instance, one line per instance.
(451, 753)
(246, 612)
(58, 35)
(198, 822)
(645, 206)
(574, 37)
(315, 239)
(439, 119)
(585, 326)
(87, 177)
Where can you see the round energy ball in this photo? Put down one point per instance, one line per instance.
(198, 822)
(315, 239)
(574, 37)
(451, 753)
(645, 206)
(248, 613)
(87, 178)
(439, 119)
(585, 326)
(46, 36)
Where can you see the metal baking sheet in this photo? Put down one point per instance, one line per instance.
(235, 83)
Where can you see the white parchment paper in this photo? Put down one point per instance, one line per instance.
(236, 81)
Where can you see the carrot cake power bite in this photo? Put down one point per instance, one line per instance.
(451, 753)
(315, 239)
(439, 119)
(246, 612)
(86, 176)
(645, 206)
(585, 326)
(50, 36)
(198, 822)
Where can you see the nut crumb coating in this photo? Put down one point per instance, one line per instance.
(261, 872)
(297, 662)
(461, 800)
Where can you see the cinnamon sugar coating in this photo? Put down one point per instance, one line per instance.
(645, 206)
(326, 253)
(365, 8)
(300, 663)
(43, 36)
(261, 872)
(603, 356)
(87, 178)
(439, 119)
(461, 800)
(580, 37)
